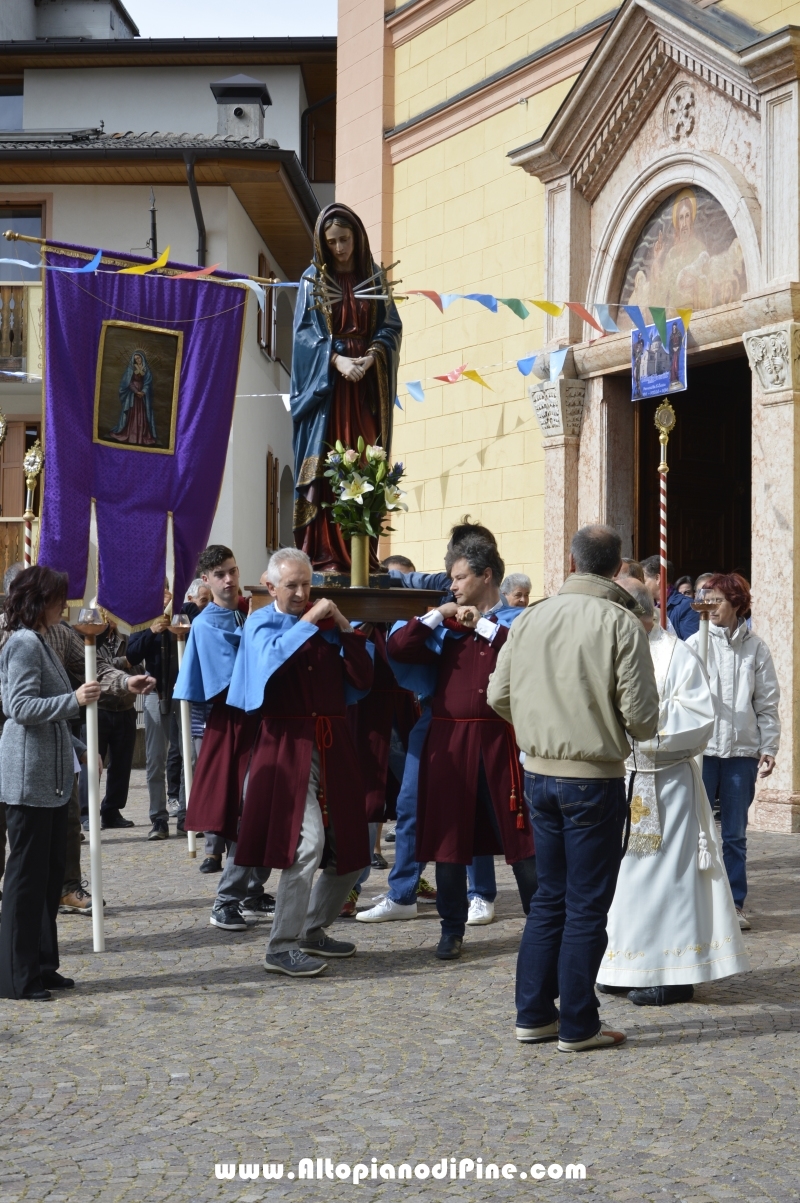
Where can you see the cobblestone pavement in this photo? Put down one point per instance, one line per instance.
(176, 1052)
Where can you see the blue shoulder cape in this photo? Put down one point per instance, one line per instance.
(209, 656)
(269, 638)
(421, 678)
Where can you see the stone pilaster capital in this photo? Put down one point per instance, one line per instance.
(774, 356)
(558, 405)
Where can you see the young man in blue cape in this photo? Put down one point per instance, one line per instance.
(216, 793)
(298, 669)
(470, 800)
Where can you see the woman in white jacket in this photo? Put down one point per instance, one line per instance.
(747, 729)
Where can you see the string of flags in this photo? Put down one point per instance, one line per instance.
(542, 364)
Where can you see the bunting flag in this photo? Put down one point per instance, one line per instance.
(583, 312)
(447, 299)
(91, 266)
(557, 362)
(606, 320)
(424, 292)
(483, 298)
(201, 271)
(144, 269)
(635, 314)
(526, 365)
(549, 307)
(397, 403)
(515, 305)
(686, 316)
(452, 377)
(257, 289)
(659, 316)
(414, 389)
(471, 374)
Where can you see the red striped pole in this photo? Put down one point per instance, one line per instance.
(26, 556)
(665, 423)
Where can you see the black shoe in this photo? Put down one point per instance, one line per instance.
(259, 908)
(603, 989)
(212, 864)
(229, 917)
(37, 996)
(661, 996)
(391, 838)
(159, 830)
(180, 827)
(55, 981)
(378, 862)
(113, 818)
(449, 948)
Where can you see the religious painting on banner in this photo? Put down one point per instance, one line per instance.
(658, 366)
(140, 380)
(136, 386)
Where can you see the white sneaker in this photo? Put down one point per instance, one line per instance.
(386, 909)
(744, 922)
(480, 911)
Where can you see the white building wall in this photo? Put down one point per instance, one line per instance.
(143, 99)
(17, 20)
(259, 423)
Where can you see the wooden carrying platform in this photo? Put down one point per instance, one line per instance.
(366, 605)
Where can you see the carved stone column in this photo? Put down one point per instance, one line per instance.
(559, 409)
(774, 355)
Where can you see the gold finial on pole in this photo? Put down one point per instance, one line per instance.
(32, 465)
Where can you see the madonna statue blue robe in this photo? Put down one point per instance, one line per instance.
(326, 407)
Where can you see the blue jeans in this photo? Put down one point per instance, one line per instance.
(732, 779)
(451, 880)
(481, 881)
(405, 873)
(578, 826)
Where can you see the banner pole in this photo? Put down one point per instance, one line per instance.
(31, 465)
(93, 779)
(180, 629)
(665, 424)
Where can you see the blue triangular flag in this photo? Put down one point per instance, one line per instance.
(414, 389)
(635, 314)
(483, 298)
(397, 403)
(606, 320)
(526, 365)
(557, 362)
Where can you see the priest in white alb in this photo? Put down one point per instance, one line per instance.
(672, 923)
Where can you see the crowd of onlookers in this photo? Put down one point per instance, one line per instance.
(44, 803)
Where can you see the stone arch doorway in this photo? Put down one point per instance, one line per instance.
(709, 480)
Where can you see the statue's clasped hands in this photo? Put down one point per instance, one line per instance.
(353, 369)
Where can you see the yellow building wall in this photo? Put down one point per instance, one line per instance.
(466, 221)
(475, 42)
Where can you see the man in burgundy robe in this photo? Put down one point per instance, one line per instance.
(300, 667)
(470, 795)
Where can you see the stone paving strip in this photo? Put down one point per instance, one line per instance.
(177, 1053)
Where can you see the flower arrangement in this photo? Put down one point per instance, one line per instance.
(365, 488)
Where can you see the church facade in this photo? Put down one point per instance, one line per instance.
(649, 156)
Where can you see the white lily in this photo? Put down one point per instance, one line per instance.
(392, 496)
(354, 489)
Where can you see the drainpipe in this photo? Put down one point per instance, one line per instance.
(304, 127)
(198, 212)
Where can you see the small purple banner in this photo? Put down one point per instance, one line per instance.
(140, 381)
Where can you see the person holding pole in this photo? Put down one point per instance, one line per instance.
(37, 769)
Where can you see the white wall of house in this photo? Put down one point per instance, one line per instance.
(144, 99)
(17, 20)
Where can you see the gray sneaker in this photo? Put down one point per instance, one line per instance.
(324, 946)
(293, 963)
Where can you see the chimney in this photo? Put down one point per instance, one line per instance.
(241, 101)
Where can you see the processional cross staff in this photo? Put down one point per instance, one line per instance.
(665, 423)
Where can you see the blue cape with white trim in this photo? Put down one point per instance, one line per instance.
(269, 638)
(209, 656)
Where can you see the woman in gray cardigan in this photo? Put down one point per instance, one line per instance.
(37, 766)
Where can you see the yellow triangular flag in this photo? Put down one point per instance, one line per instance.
(473, 375)
(549, 307)
(686, 316)
(142, 269)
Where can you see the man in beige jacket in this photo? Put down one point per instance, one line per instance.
(575, 678)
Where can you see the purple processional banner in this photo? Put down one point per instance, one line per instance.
(140, 381)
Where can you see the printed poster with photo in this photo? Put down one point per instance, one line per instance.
(657, 369)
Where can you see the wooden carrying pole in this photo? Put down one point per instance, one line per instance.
(90, 624)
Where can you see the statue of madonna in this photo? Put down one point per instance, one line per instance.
(344, 374)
